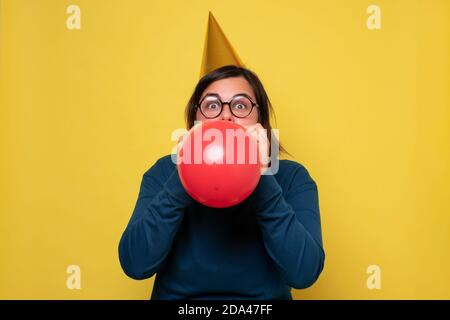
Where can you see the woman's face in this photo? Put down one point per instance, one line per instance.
(227, 89)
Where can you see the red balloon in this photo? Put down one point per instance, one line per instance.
(218, 163)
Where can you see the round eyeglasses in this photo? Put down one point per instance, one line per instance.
(241, 105)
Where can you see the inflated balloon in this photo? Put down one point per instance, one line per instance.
(218, 163)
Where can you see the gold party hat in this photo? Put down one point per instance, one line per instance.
(218, 51)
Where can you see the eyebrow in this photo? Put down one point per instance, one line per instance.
(237, 94)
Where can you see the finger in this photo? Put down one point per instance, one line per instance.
(253, 134)
(249, 127)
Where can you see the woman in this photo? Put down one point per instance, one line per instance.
(259, 249)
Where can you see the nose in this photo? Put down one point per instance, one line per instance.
(226, 113)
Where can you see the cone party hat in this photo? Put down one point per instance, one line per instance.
(218, 51)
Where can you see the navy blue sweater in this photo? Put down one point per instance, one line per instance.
(258, 249)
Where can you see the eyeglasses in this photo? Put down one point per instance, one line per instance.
(241, 105)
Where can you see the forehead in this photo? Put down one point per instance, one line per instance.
(227, 88)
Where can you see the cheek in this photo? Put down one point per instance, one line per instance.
(253, 119)
(199, 116)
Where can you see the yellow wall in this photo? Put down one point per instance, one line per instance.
(84, 113)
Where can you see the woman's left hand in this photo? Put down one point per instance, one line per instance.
(260, 134)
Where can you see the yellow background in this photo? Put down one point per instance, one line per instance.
(84, 113)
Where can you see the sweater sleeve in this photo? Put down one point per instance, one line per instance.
(156, 217)
(290, 226)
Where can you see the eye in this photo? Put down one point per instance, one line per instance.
(240, 106)
(212, 105)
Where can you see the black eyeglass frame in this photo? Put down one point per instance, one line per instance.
(222, 103)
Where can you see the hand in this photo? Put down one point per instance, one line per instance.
(260, 134)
